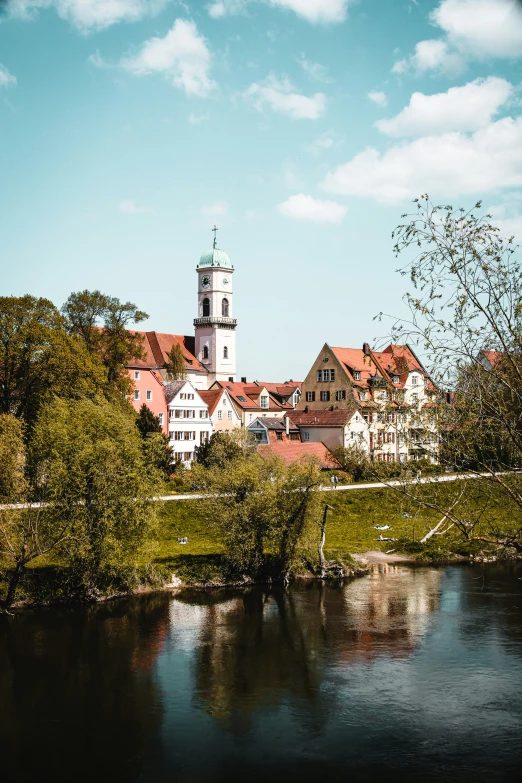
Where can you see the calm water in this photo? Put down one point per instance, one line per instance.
(410, 672)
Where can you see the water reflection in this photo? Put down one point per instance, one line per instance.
(410, 672)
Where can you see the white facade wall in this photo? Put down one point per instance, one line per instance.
(225, 418)
(188, 422)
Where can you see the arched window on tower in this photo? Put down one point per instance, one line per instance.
(205, 351)
(206, 307)
(224, 308)
(225, 352)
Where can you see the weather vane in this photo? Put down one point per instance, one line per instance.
(215, 230)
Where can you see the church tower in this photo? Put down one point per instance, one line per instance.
(215, 327)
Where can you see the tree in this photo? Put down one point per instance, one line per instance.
(25, 533)
(101, 322)
(89, 465)
(176, 366)
(262, 510)
(222, 449)
(39, 359)
(466, 315)
(155, 443)
(353, 459)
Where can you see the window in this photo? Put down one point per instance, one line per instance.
(363, 396)
(264, 401)
(320, 375)
(177, 414)
(136, 375)
(224, 308)
(414, 380)
(206, 307)
(205, 351)
(332, 375)
(187, 456)
(259, 435)
(136, 394)
(203, 414)
(229, 414)
(415, 397)
(220, 414)
(160, 419)
(325, 396)
(340, 395)
(190, 396)
(306, 435)
(243, 399)
(310, 396)
(224, 401)
(356, 375)
(251, 416)
(396, 379)
(225, 352)
(279, 435)
(391, 417)
(149, 395)
(380, 417)
(367, 417)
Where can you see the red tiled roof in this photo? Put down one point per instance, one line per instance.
(237, 389)
(283, 389)
(292, 451)
(157, 346)
(319, 418)
(493, 357)
(211, 398)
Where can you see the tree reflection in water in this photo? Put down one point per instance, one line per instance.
(263, 645)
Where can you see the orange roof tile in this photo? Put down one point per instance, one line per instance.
(157, 346)
(292, 451)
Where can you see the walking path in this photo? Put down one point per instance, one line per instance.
(338, 488)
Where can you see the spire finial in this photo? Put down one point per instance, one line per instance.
(215, 230)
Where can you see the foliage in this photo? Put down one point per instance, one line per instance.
(146, 422)
(466, 314)
(223, 448)
(89, 465)
(13, 485)
(101, 322)
(38, 358)
(353, 459)
(156, 445)
(176, 365)
(262, 510)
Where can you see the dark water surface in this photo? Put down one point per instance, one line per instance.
(407, 673)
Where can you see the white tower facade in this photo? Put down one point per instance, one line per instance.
(215, 326)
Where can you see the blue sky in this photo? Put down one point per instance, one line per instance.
(303, 128)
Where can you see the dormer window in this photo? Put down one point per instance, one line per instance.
(396, 379)
(356, 375)
(264, 401)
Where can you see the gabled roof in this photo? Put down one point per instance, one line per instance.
(293, 451)
(282, 389)
(394, 360)
(244, 396)
(319, 418)
(157, 346)
(172, 388)
(212, 398)
(271, 423)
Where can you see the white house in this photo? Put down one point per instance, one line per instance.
(333, 428)
(221, 409)
(188, 420)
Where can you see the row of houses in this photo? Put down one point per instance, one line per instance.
(383, 401)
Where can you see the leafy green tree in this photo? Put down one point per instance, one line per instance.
(39, 359)
(155, 443)
(90, 467)
(102, 322)
(353, 459)
(262, 510)
(25, 533)
(222, 448)
(176, 367)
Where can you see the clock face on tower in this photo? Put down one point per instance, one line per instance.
(225, 280)
(205, 281)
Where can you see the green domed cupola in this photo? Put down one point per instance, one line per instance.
(215, 257)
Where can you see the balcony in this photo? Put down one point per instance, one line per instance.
(219, 320)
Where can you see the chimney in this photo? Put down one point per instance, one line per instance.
(243, 380)
(366, 349)
(287, 423)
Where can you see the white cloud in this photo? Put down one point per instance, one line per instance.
(431, 55)
(475, 29)
(434, 114)
(6, 77)
(482, 28)
(507, 216)
(89, 15)
(312, 210)
(326, 141)
(316, 11)
(182, 55)
(129, 207)
(195, 119)
(452, 164)
(279, 95)
(219, 209)
(379, 98)
(315, 71)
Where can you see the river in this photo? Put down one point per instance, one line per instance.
(410, 673)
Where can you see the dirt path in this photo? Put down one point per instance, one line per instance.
(374, 557)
